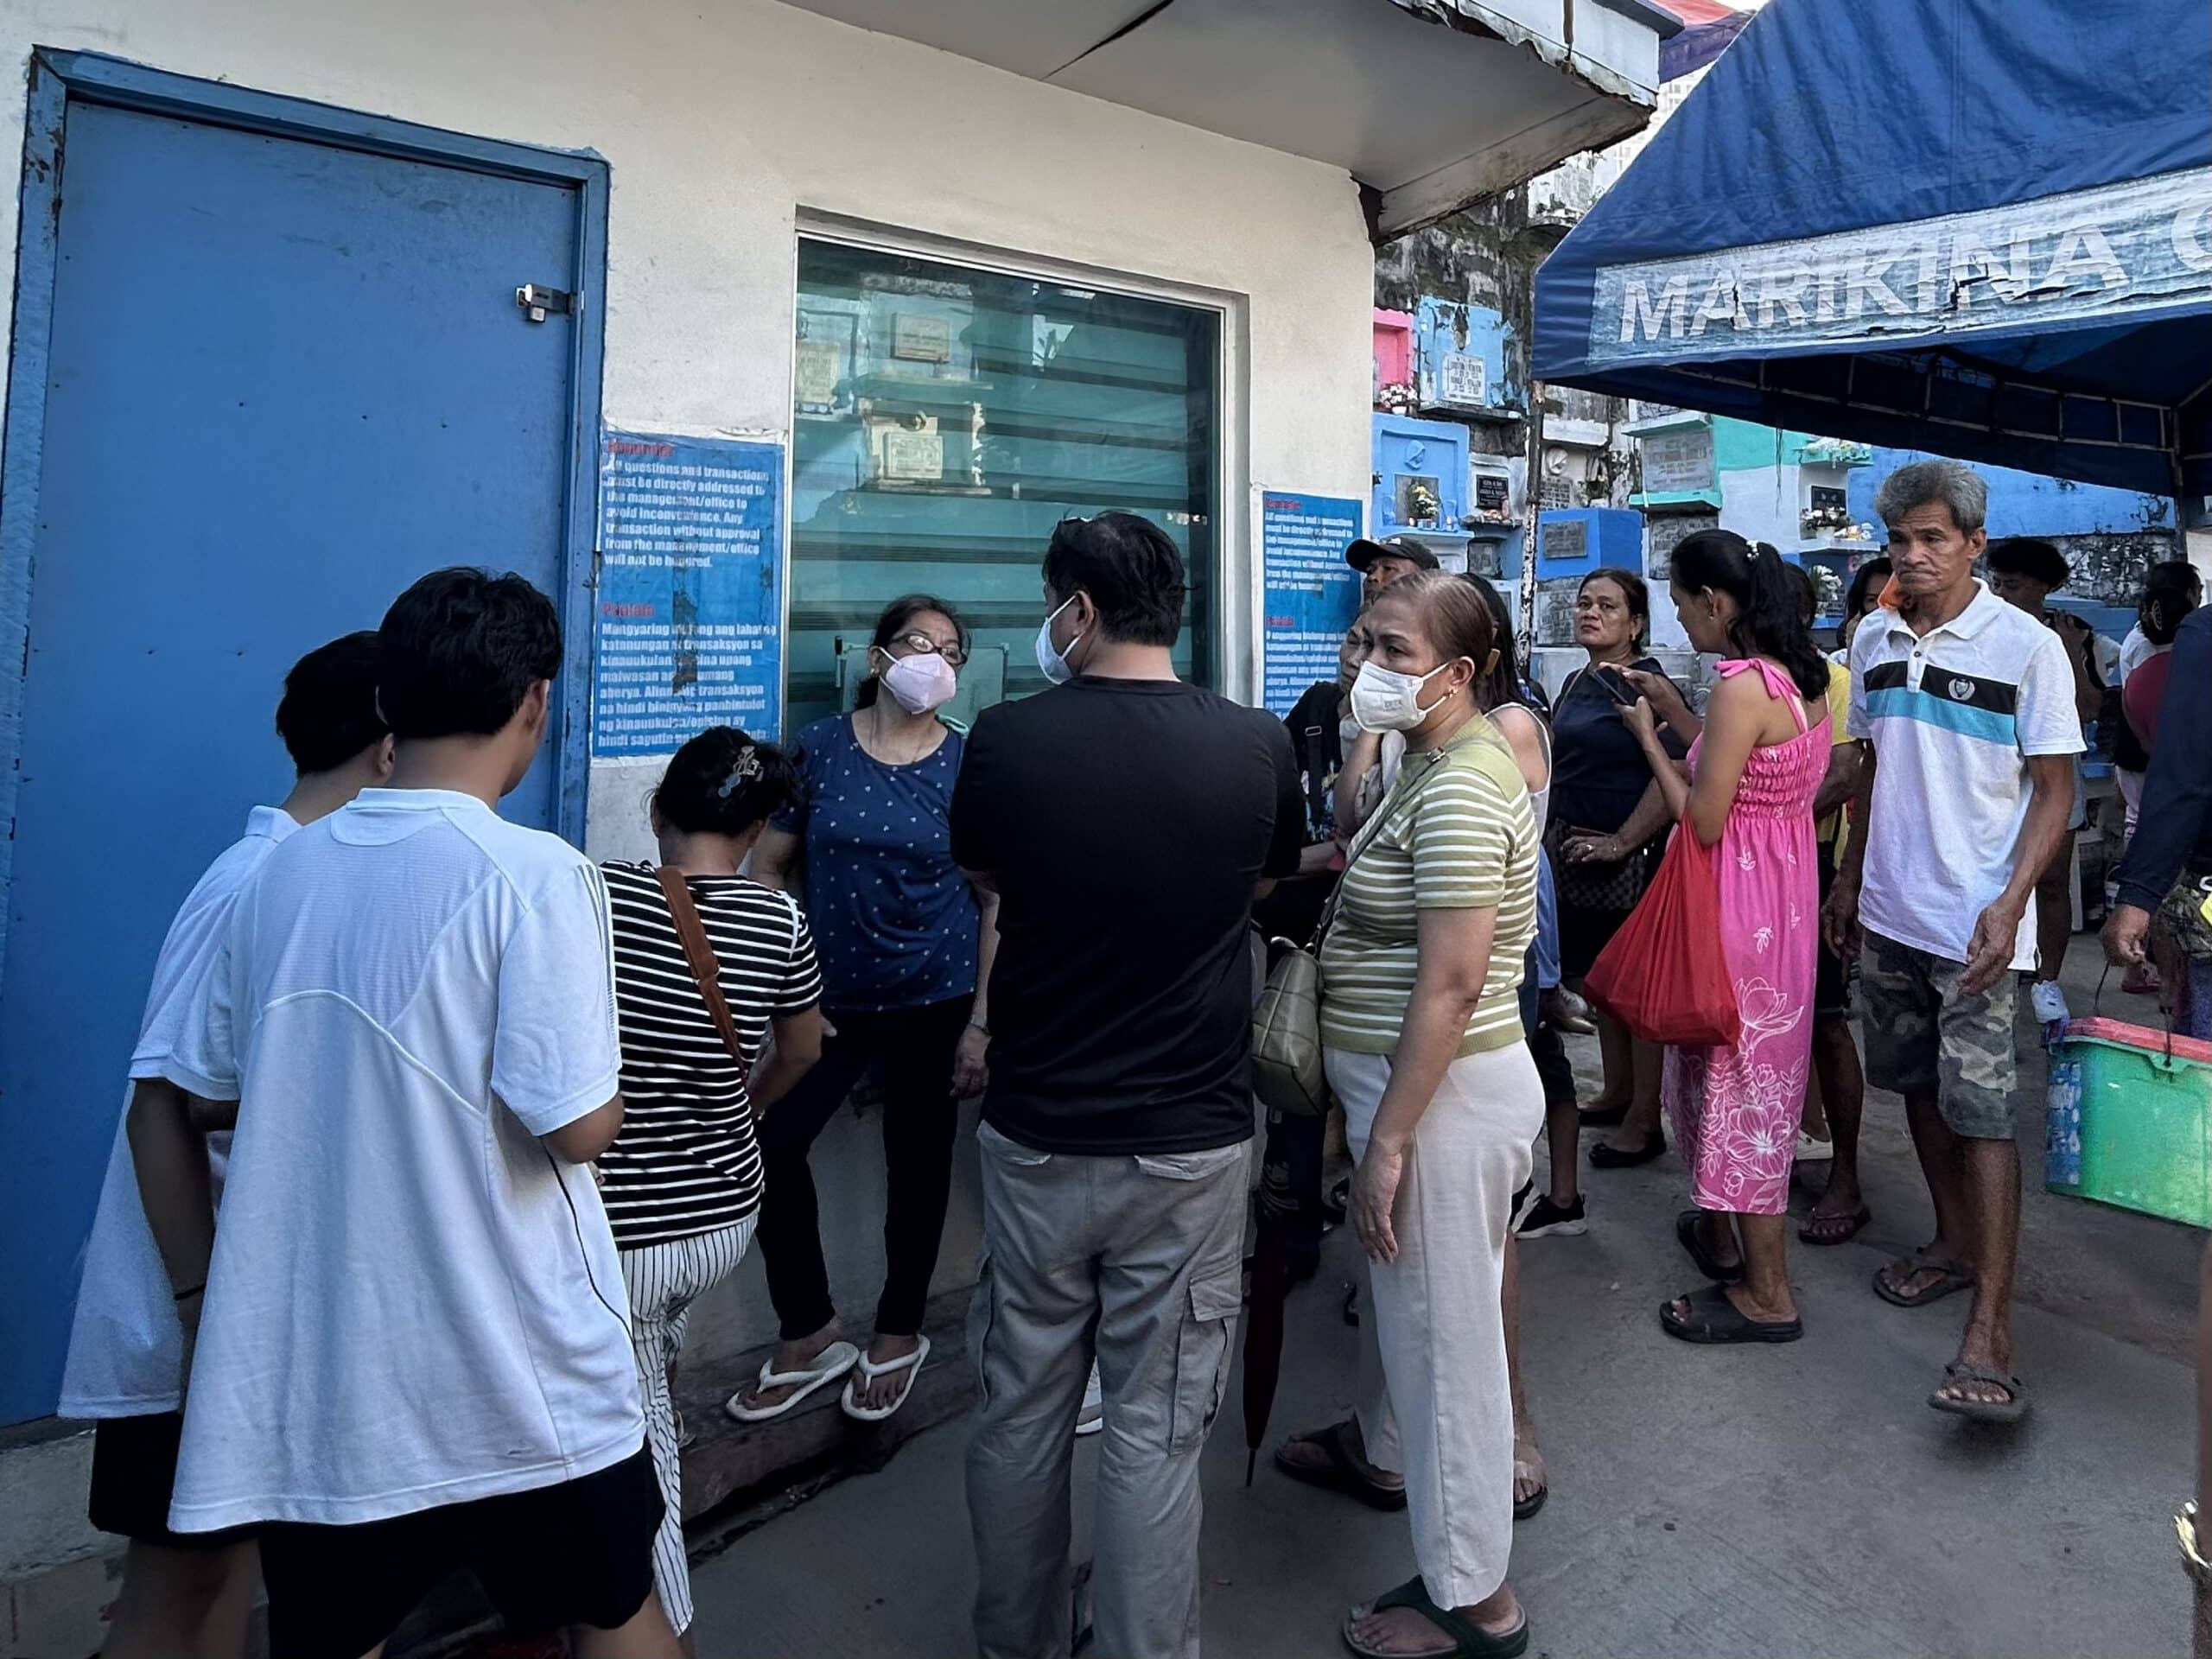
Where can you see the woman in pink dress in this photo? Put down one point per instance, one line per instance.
(1749, 795)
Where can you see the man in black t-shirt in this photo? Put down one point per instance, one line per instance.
(1126, 821)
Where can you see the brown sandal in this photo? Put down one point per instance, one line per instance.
(1341, 1473)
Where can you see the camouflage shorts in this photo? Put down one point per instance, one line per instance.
(1925, 1036)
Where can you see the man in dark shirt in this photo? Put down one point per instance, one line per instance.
(2173, 831)
(1126, 821)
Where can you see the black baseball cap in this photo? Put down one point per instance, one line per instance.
(1362, 553)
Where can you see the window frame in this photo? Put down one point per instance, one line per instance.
(1231, 657)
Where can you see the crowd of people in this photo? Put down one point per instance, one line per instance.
(485, 1119)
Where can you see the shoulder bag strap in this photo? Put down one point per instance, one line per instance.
(699, 952)
(1360, 843)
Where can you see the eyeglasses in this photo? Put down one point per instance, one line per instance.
(919, 643)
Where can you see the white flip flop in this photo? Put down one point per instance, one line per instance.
(869, 1371)
(829, 1364)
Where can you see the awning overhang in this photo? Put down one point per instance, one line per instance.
(1922, 222)
(1428, 105)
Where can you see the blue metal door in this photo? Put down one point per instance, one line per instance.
(284, 378)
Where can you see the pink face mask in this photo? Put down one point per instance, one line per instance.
(920, 682)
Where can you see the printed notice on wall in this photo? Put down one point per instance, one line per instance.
(689, 619)
(1311, 595)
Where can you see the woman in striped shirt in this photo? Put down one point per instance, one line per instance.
(682, 1182)
(1421, 1032)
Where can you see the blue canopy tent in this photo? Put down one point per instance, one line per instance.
(1980, 228)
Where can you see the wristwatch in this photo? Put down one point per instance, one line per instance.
(2192, 1546)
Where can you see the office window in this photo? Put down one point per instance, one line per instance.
(944, 419)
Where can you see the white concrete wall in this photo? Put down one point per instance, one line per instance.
(1762, 504)
(723, 123)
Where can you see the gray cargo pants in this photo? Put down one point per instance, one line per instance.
(1138, 1260)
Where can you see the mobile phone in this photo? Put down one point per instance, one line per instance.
(1617, 687)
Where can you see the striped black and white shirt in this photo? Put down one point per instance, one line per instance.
(686, 1162)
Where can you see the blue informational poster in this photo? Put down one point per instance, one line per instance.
(1311, 593)
(689, 612)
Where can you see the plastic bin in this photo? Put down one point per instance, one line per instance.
(2129, 1124)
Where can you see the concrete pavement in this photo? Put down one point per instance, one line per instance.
(1799, 1500)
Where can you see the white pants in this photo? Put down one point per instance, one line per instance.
(2131, 792)
(664, 1279)
(1438, 1405)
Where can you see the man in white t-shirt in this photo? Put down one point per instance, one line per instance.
(191, 1593)
(1966, 706)
(414, 1356)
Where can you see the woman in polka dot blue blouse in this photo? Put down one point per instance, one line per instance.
(906, 946)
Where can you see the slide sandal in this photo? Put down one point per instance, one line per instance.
(1686, 1234)
(866, 1371)
(1339, 1473)
(829, 1364)
(1712, 1318)
(1525, 1507)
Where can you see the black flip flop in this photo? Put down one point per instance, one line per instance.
(1342, 1474)
(1604, 1155)
(1714, 1319)
(2008, 1410)
(1955, 1276)
(1600, 1117)
(1853, 1224)
(1469, 1640)
(1686, 1236)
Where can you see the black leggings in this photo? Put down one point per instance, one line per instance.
(1553, 1069)
(920, 1119)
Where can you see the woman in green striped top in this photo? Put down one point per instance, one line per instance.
(1422, 1036)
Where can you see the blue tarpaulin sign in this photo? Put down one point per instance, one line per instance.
(689, 610)
(1820, 240)
(1311, 593)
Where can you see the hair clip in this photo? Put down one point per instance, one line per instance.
(748, 766)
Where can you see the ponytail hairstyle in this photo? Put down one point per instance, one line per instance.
(1503, 684)
(2170, 591)
(1769, 619)
(896, 617)
(724, 782)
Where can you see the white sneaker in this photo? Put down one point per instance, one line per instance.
(1092, 1417)
(2048, 1002)
(1811, 1149)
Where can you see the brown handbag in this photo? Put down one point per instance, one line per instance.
(699, 952)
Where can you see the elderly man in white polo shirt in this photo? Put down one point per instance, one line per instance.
(1966, 706)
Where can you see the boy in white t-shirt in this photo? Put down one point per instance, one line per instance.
(414, 1357)
(191, 1593)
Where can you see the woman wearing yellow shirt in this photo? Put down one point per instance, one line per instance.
(1421, 1035)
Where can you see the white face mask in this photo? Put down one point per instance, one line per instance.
(1054, 662)
(1384, 699)
(920, 683)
